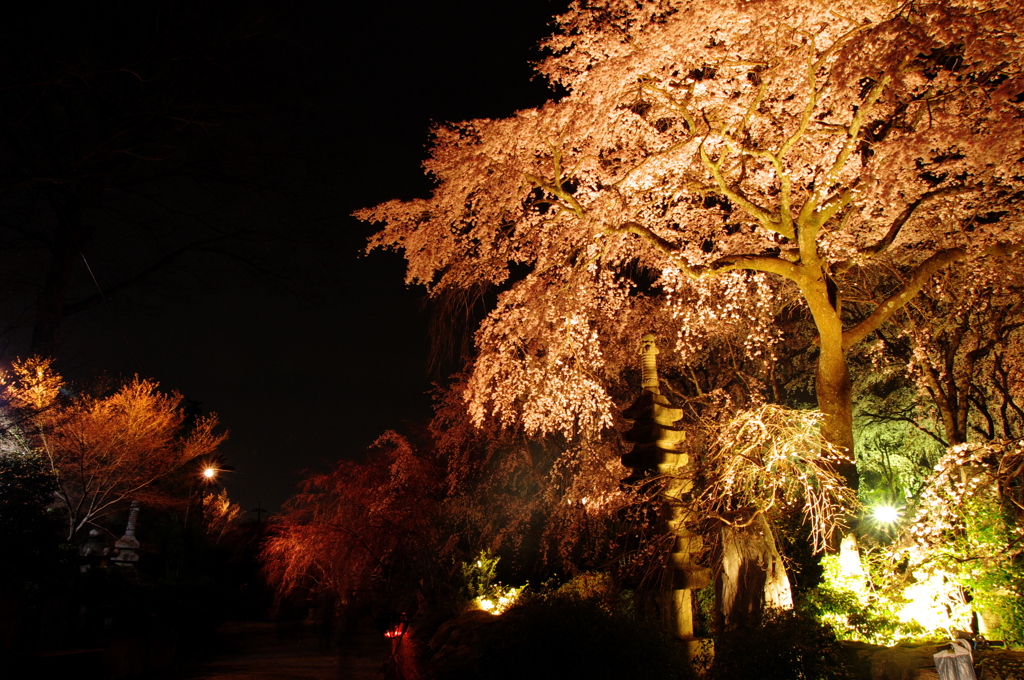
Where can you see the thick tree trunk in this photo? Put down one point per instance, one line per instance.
(835, 399)
(753, 575)
(833, 385)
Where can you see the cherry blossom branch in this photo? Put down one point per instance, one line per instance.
(908, 212)
(761, 263)
(556, 190)
(767, 220)
(901, 297)
(853, 131)
(681, 107)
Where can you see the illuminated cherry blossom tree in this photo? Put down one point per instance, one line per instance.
(366, 531)
(967, 337)
(103, 450)
(710, 164)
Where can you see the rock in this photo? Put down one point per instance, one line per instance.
(455, 647)
(915, 662)
(999, 664)
(901, 662)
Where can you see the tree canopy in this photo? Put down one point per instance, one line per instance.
(713, 168)
(102, 450)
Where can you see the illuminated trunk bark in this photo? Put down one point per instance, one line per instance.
(833, 386)
(752, 578)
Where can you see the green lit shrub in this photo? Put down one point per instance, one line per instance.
(865, 609)
(968, 529)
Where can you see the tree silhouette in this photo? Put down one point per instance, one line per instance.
(130, 153)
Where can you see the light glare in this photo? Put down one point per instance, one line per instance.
(886, 514)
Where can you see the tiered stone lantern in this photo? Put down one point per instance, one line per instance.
(656, 458)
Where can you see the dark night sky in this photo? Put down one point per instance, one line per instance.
(304, 379)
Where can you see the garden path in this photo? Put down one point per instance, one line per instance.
(261, 651)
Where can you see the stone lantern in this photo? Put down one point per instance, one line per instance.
(126, 548)
(656, 457)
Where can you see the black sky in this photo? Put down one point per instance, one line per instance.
(308, 374)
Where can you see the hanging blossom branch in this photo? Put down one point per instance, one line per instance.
(960, 516)
(771, 459)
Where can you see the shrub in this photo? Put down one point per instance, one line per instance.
(785, 645)
(565, 635)
(569, 638)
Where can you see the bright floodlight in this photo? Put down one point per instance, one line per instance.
(209, 473)
(886, 514)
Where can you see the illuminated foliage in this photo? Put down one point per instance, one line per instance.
(104, 450)
(772, 461)
(957, 552)
(872, 605)
(548, 499)
(482, 587)
(712, 163)
(968, 526)
(364, 532)
(32, 384)
(219, 514)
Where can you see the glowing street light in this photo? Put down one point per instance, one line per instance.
(210, 473)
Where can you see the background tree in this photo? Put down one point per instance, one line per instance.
(26, 490)
(942, 373)
(546, 504)
(965, 333)
(105, 450)
(758, 153)
(366, 533)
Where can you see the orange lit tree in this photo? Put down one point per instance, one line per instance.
(719, 167)
(363, 532)
(398, 525)
(104, 450)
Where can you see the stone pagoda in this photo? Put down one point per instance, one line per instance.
(127, 547)
(656, 458)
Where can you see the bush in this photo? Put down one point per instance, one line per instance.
(566, 638)
(786, 645)
(579, 639)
